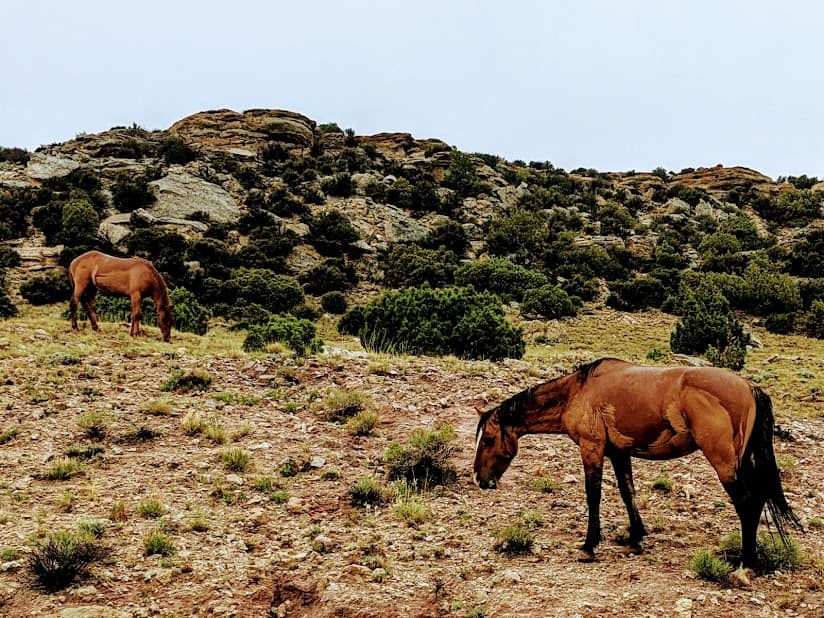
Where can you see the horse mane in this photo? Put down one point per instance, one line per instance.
(160, 285)
(513, 410)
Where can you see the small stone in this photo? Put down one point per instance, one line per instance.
(234, 479)
(317, 461)
(87, 593)
(683, 607)
(570, 478)
(740, 578)
(294, 505)
(11, 565)
(22, 483)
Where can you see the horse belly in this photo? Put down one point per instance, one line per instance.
(668, 446)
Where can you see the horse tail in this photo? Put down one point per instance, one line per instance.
(760, 466)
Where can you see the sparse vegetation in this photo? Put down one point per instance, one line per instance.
(159, 543)
(341, 405)
(708, 566)
(425, 460)
(186, 382)
(61, 556)
(235, 459)
(366, 492)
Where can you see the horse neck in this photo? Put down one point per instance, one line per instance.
(546, 408)
(160, 294)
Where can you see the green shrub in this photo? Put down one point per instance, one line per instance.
(721, 252)
(707, 322)
(47, 289)
(58, 558)
(352, 322)
(662, 484)
(406, 265)
(332, 233)
(276, 293)
(791, 207)
(544, 484)
(814, 320)
(744, 229)
(7, 308)
(130, 192)
(399, 193)
(362, 424)
(329, 276)
(638, 294)
(340, 185)
(175, 151)
(79, 223)
(811, 291)
(615, 219)
(708, 566)
(549, 302)
(189, 315)
(437, 322)
(296, 333)
(9, 258)
(461, 175)
(764, 292)
(450, 236)
(425, 460)
(499, 276)
(521, 233)
(807, 258)
(334, 302)
(780, 323)
(366, 492)
(14, 155)
(63, 469)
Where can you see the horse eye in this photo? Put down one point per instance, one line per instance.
(489, 440)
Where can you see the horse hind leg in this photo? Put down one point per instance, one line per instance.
(137, 301)
(592, 454)
(78, 290)
(88, 304)
(622, 465)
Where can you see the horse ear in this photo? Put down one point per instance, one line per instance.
(480, 404)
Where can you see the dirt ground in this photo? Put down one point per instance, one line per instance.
(309, 552)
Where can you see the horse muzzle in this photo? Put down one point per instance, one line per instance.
(484, 483)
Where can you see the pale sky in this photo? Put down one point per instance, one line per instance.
(609, 84)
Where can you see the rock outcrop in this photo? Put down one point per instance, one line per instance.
(180, 194)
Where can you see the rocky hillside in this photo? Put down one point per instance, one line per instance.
(221, 190)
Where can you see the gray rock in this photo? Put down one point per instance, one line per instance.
(42, 166)
(180, 194)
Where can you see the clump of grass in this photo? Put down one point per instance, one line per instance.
(7, 435)
(158, 543)
(532, 518)
(411, 511)
(545, 484)
(772, 554)
(816, 523)
(280, 496)
(476, 612)
(264, 484)
(58, 558)
(662, 484)
(513, 539)
(425, 460)
(7, 554)
(180, 382)
(235, 459)
(150, 508)
(92, 527)
(192, 423)
(362, 424)
(708, 566)
(118, 511)
(215, 432)
(63, 469)
(289, 468)
(143, 433)
(94, 423)
(341, 405)
(66, 501)
(241, 431)
(159, 407)
(62, 358)
(198, 523)
(366, 492)
(330, 475)
(89, 451)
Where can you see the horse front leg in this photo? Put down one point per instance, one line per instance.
(592, 455)
(622, 464)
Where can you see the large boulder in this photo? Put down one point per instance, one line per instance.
(244, 134)
(180, 194)
(43, 166)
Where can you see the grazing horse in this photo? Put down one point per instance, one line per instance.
(134, 277)
(615, 409)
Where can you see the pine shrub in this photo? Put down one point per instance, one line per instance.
(437, 322)
(499, 276)
(549, 302)
(47, 289)
(296, 333)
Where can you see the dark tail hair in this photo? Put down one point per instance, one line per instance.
(760, 458)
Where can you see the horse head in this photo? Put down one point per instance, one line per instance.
(495, 447)
(164, 322)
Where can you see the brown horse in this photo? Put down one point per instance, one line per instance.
(615, 409)
(134, 277)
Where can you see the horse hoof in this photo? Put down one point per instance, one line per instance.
(585, 555)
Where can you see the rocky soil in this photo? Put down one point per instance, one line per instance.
(309, 552)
